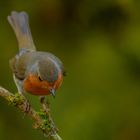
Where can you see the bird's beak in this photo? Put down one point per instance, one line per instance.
(52, 91)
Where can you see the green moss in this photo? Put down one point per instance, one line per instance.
(46, 125)
(16, 99)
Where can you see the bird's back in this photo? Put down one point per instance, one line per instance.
(27, 62)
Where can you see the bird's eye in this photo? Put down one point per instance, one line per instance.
(40, 78)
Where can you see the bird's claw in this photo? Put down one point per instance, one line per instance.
(26, 106)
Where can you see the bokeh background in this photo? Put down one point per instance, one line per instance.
(99, 44)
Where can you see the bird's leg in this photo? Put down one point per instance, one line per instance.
(18, 85)
(45, 104)
(27, 106)
(21, 91)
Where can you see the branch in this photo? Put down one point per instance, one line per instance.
(42, 120)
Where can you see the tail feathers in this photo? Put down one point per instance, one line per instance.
(20, 25)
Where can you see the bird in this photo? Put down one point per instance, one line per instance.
(35, 72)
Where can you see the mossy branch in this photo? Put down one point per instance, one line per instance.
(42, 120)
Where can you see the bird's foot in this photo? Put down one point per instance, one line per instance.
(45, 104)
(26, 106)
(26, 103)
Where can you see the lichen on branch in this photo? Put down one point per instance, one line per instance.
(42, 119)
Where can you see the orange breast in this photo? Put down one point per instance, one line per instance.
(33, 85)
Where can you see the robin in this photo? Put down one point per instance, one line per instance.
(38, 73)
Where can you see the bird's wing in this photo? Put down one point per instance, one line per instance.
(18, 67)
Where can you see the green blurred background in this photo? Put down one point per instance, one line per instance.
(99, 44)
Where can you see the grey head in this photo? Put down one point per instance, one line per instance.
(48, 70)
